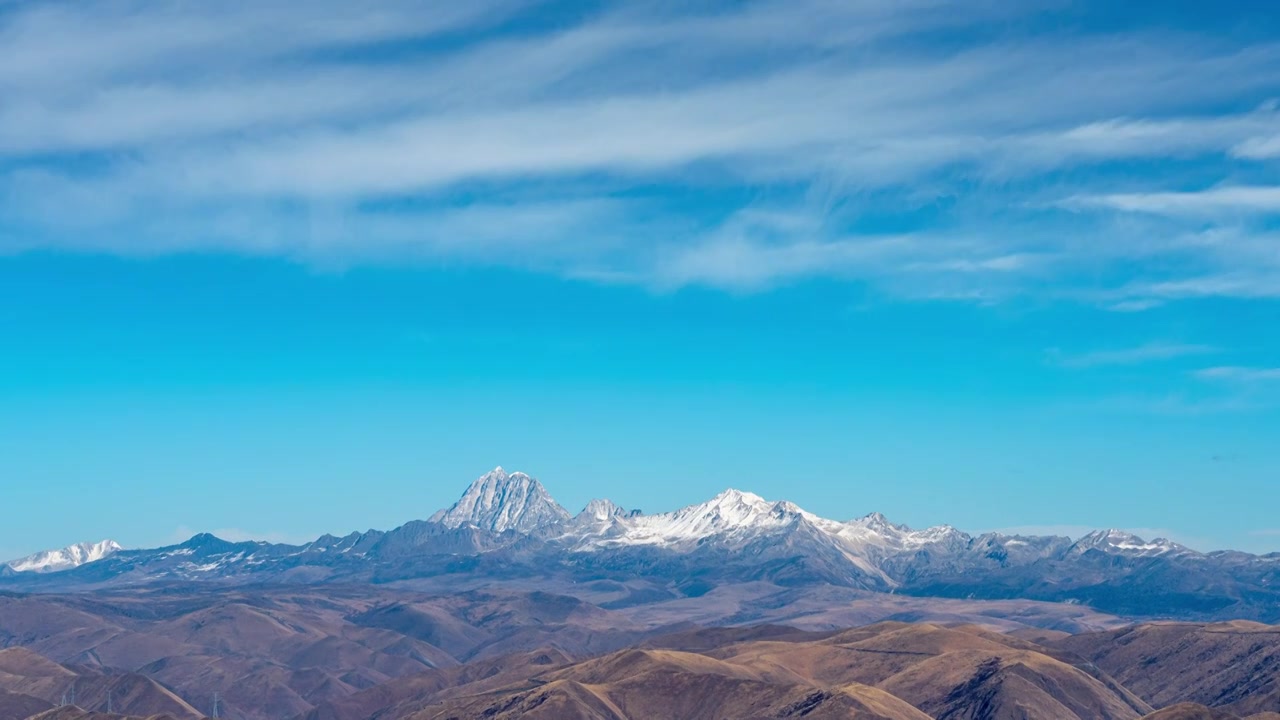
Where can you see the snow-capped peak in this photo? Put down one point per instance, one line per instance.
(65, 558)
(735, 506)
(729, 514)
(877, 522)
(599, 510)
(1123, 542)
(498, 502)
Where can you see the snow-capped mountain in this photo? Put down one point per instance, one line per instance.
(731, 515)
(65, 558)
(1125, 543)
(506, 526)
(599, 510)
(498, 502)
(597, 519)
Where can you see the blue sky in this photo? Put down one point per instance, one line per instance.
(276, 272)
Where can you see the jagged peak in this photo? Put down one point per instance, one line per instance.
(602, 509)
(1118, 540)
(205, 540)
(1109, 536)
(499, 501)
(731, 512)
(66, 558)
(733, 496)
(735, 508)
(876, 521)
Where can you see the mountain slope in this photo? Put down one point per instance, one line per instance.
(885, 671)
(957, 672)
(28, 674)
(72, 556)
(348, 652)
(499, 502)
(669, 685)
(1232, 666)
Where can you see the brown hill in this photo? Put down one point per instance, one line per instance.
(946, 672)
(15, 705)
(406, 695)
(1231, 666)
(71, 712)
(24, 673)
(1191, 711)
(889, 670)
(350, 653)
(664, 684)
(279, 653)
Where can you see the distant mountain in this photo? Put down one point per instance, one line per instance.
(507, 527)
(65, 558)
(499, 502)
(1118, 542)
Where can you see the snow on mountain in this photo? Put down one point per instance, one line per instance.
(1125, 543)
(498, 502)
(600, 510)
(598, 516)
(733, 519)
(736, 519)
(875, 529)
(65, 558)
(1018, 549)
(597, 520)
(734, 536)
(730, 512)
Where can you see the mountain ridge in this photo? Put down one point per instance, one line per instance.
(507, 525)
(65, 558)
(498, 502)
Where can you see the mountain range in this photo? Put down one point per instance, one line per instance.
(506, 527)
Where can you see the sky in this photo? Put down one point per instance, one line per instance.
(274, 270)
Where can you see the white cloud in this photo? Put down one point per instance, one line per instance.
(1134, 305)
(203, 127)
(1265, 199)
(1150, 352)
(1239, 374)
(67, 47)
(1260, 283)
(1258, 148)
(1226, 260)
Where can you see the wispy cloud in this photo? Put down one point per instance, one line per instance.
(645, 143)
(1258, 148)
(1151, 352)
(1251, 199)
(1238, 374)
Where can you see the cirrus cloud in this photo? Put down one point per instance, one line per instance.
(649, 143)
